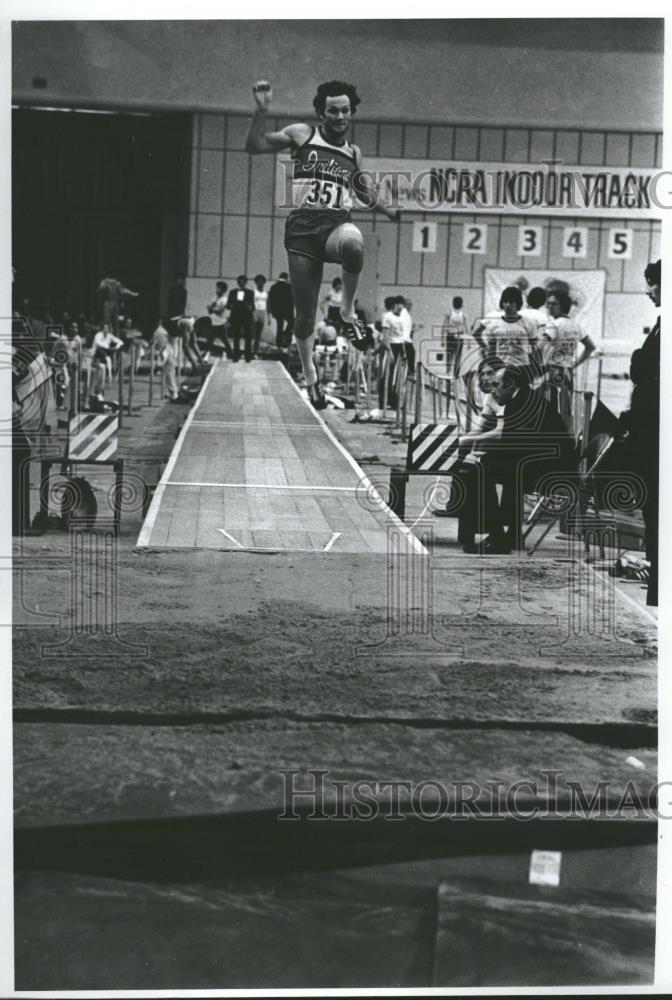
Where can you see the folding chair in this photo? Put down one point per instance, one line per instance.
(555, 506)
(601, 429)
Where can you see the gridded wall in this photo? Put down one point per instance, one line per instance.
(235, 226)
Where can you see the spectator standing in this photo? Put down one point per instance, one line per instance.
(407, 324)
(281, 308)
(510, 336)
(562, 336)
(240, 306)
(455, 329)
(643, 422)
(534, 309)
(332, 302)
(217, 316)
(59, 359)
(394, 343)
(260, 310)
(75, 343)
(164, 353)
(111, 293)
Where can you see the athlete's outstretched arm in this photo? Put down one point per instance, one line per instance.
(259, 140)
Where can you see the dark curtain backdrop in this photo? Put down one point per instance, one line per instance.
(95, 194)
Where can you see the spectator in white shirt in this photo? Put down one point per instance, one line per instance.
(105, 343)
(218, 320)
(186, 329)
(331, 304)
(407, 322)
(164, 353)
(455, 323)
(105, 346)
(393, 341)
(261, 318)
(534, 309)
(562, 336)
(510, 337)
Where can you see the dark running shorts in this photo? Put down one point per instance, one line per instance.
(307, 230)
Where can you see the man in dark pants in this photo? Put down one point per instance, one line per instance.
(240, 305)
(281, 308)
(528, 443)
(643, 423)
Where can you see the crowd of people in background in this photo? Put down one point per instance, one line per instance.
(518, 362)
(536, 332)
(101, 341)
(525, 343)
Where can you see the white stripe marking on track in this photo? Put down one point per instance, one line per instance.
(336, 535)
(231, 538)
(626, 597)
(269, 548)
(265, 486)
(153, 512)
(365, 483)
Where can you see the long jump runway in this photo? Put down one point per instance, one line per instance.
(255, 468)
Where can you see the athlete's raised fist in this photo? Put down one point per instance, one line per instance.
(263, 93)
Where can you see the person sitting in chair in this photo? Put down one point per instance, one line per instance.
(528, 442)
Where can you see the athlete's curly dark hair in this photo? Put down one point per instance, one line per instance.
(335, 88)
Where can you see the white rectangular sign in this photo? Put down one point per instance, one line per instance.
(530, 239)
(424, 237)
(529, 189)
(474, 238)
(545, 868)
(620, 244)
(575, 241)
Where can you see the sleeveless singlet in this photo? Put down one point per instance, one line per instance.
(322, 176)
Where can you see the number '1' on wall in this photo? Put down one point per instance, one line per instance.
(424, 237)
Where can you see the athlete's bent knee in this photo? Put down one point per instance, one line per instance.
(352, 253)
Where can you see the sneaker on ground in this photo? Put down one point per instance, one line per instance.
(357, 333)
(316, 396)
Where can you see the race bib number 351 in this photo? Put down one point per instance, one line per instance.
(325, 194)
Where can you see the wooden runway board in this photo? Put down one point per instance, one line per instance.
(255, 468)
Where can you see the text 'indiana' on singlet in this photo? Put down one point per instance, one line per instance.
(322, 174)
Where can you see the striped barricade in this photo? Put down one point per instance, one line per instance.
(93, 436)
(432, 447)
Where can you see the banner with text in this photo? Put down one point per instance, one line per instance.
(545, 189)
(550, 188)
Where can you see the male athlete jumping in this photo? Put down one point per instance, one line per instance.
(326, 169)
